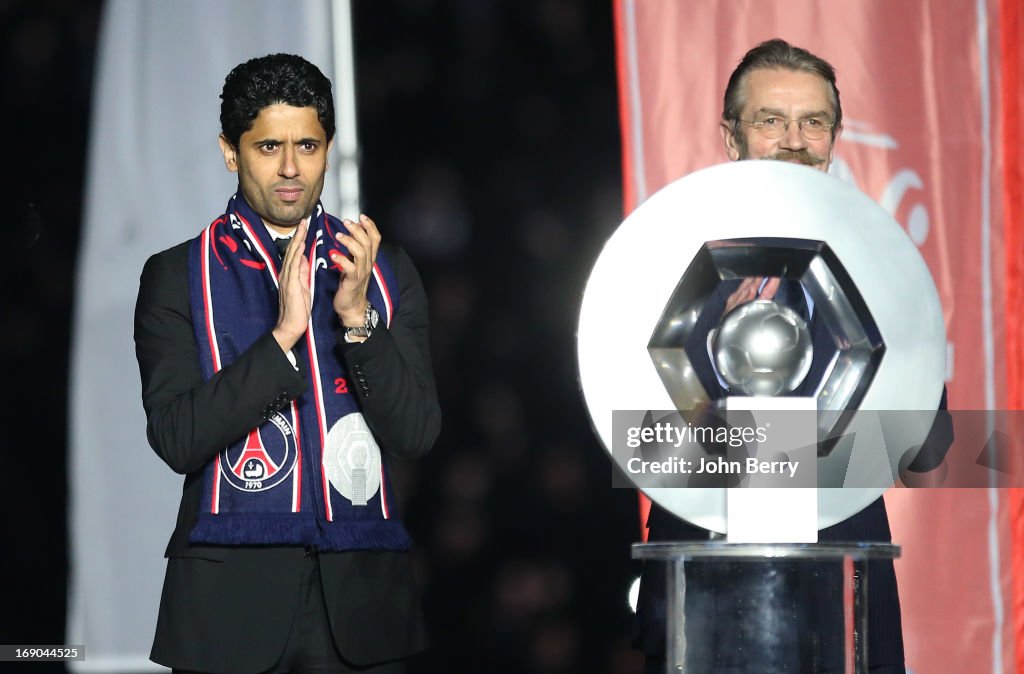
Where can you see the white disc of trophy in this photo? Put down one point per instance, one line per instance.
(643, 261)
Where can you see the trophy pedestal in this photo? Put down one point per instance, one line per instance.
(744, 608)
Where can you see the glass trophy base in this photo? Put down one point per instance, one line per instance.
(766, 608)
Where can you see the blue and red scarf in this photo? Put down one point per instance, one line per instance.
(312, 474)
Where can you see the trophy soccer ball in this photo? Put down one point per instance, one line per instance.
(763, 349)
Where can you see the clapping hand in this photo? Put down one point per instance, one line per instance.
(750, 289)
(362, 242)
(294, 300)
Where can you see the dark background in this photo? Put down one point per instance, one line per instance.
(490, 144)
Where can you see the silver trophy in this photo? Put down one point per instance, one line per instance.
(879, 342)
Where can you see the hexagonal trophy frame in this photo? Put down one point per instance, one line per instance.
(679, 351)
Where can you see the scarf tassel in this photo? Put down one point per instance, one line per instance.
(292, 529)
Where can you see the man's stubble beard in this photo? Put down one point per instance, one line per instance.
(804, 157)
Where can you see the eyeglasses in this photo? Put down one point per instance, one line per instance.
(773, 128)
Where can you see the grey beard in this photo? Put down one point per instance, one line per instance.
(801, 156)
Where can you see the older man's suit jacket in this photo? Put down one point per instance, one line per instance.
(230, 608)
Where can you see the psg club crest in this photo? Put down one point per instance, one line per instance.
(264, 459)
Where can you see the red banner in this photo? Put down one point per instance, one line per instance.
(931, 96)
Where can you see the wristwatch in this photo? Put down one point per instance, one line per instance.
(369, 324)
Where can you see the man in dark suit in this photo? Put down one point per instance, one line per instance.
(782, 103)
(284, 357)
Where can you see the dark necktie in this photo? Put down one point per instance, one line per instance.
(791, 294)
(282, 245)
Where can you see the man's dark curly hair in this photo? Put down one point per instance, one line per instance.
(268, 80)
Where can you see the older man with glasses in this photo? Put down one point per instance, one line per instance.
(781, 103)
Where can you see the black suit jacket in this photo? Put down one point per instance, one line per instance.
(211, 617)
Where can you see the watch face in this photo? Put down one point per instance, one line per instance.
(371, 317)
